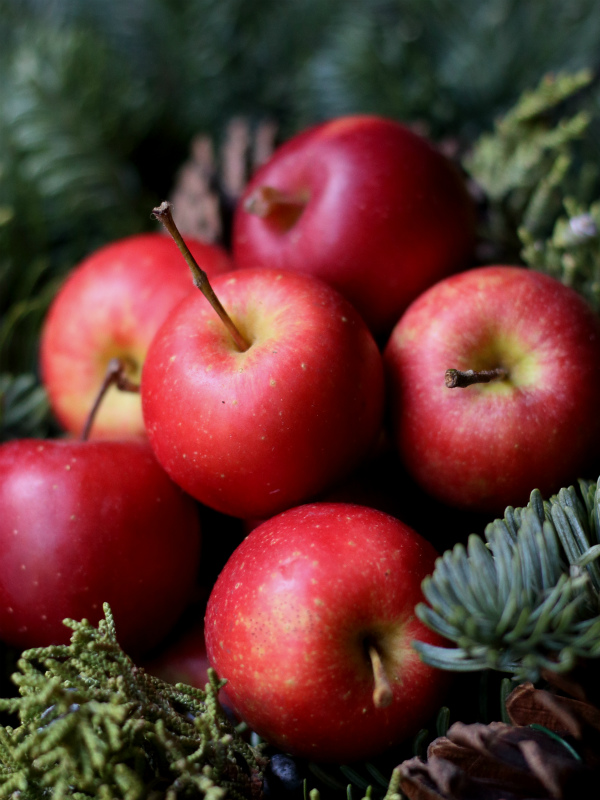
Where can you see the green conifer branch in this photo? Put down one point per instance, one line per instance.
(526, 598)
(526, 165)
(572, 252)
(92, 724)
(23, 406)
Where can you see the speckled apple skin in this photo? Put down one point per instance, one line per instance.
(110, 306)
(385, 214)
(488, 446)
(84, 523)
(253, 433)
(288, 619)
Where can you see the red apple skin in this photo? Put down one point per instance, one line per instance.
(288, 621)
(111, 305)
(488, 446)
(385, 215)
(83, 523)
(253, 433)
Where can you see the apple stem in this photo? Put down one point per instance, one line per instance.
(116, 375)
(382, 693)
(456, 378)
(164, 215)
(266, 201)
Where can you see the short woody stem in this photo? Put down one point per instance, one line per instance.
(116, 375)
(382, 693)
(456, 378)
(164, 215)
(265, 200)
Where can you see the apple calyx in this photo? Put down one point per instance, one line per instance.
(281, 208)
(116, 375)
(456, 378)
(382, 693)
(200, 278)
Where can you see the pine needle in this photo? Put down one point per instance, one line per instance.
(525, 598)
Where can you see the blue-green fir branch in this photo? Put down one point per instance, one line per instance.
(524, 598)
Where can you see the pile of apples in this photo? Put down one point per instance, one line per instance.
(348, 314)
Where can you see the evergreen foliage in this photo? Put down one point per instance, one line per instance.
(525, 599)
(454, 66)
(538, 171)
(536, 157)
(92, 724)
(572, 252)
(23, 407)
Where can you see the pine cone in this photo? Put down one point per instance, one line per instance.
(196, 203)
(207, 189)
(495, 762)
(507, 762)
(574, 717)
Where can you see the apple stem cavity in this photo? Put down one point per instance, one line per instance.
(282, 208)
(116, 375)
(200, 278)
(382, 693)
(456, 378)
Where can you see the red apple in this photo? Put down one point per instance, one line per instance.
(363, 203)
(250, 433)
(487, 445)
(311, 623)
(83, 523)
(111, 305)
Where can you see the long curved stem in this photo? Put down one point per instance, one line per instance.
(116, 375)
(164, 215)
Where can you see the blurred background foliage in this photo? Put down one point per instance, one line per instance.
(100, 99)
